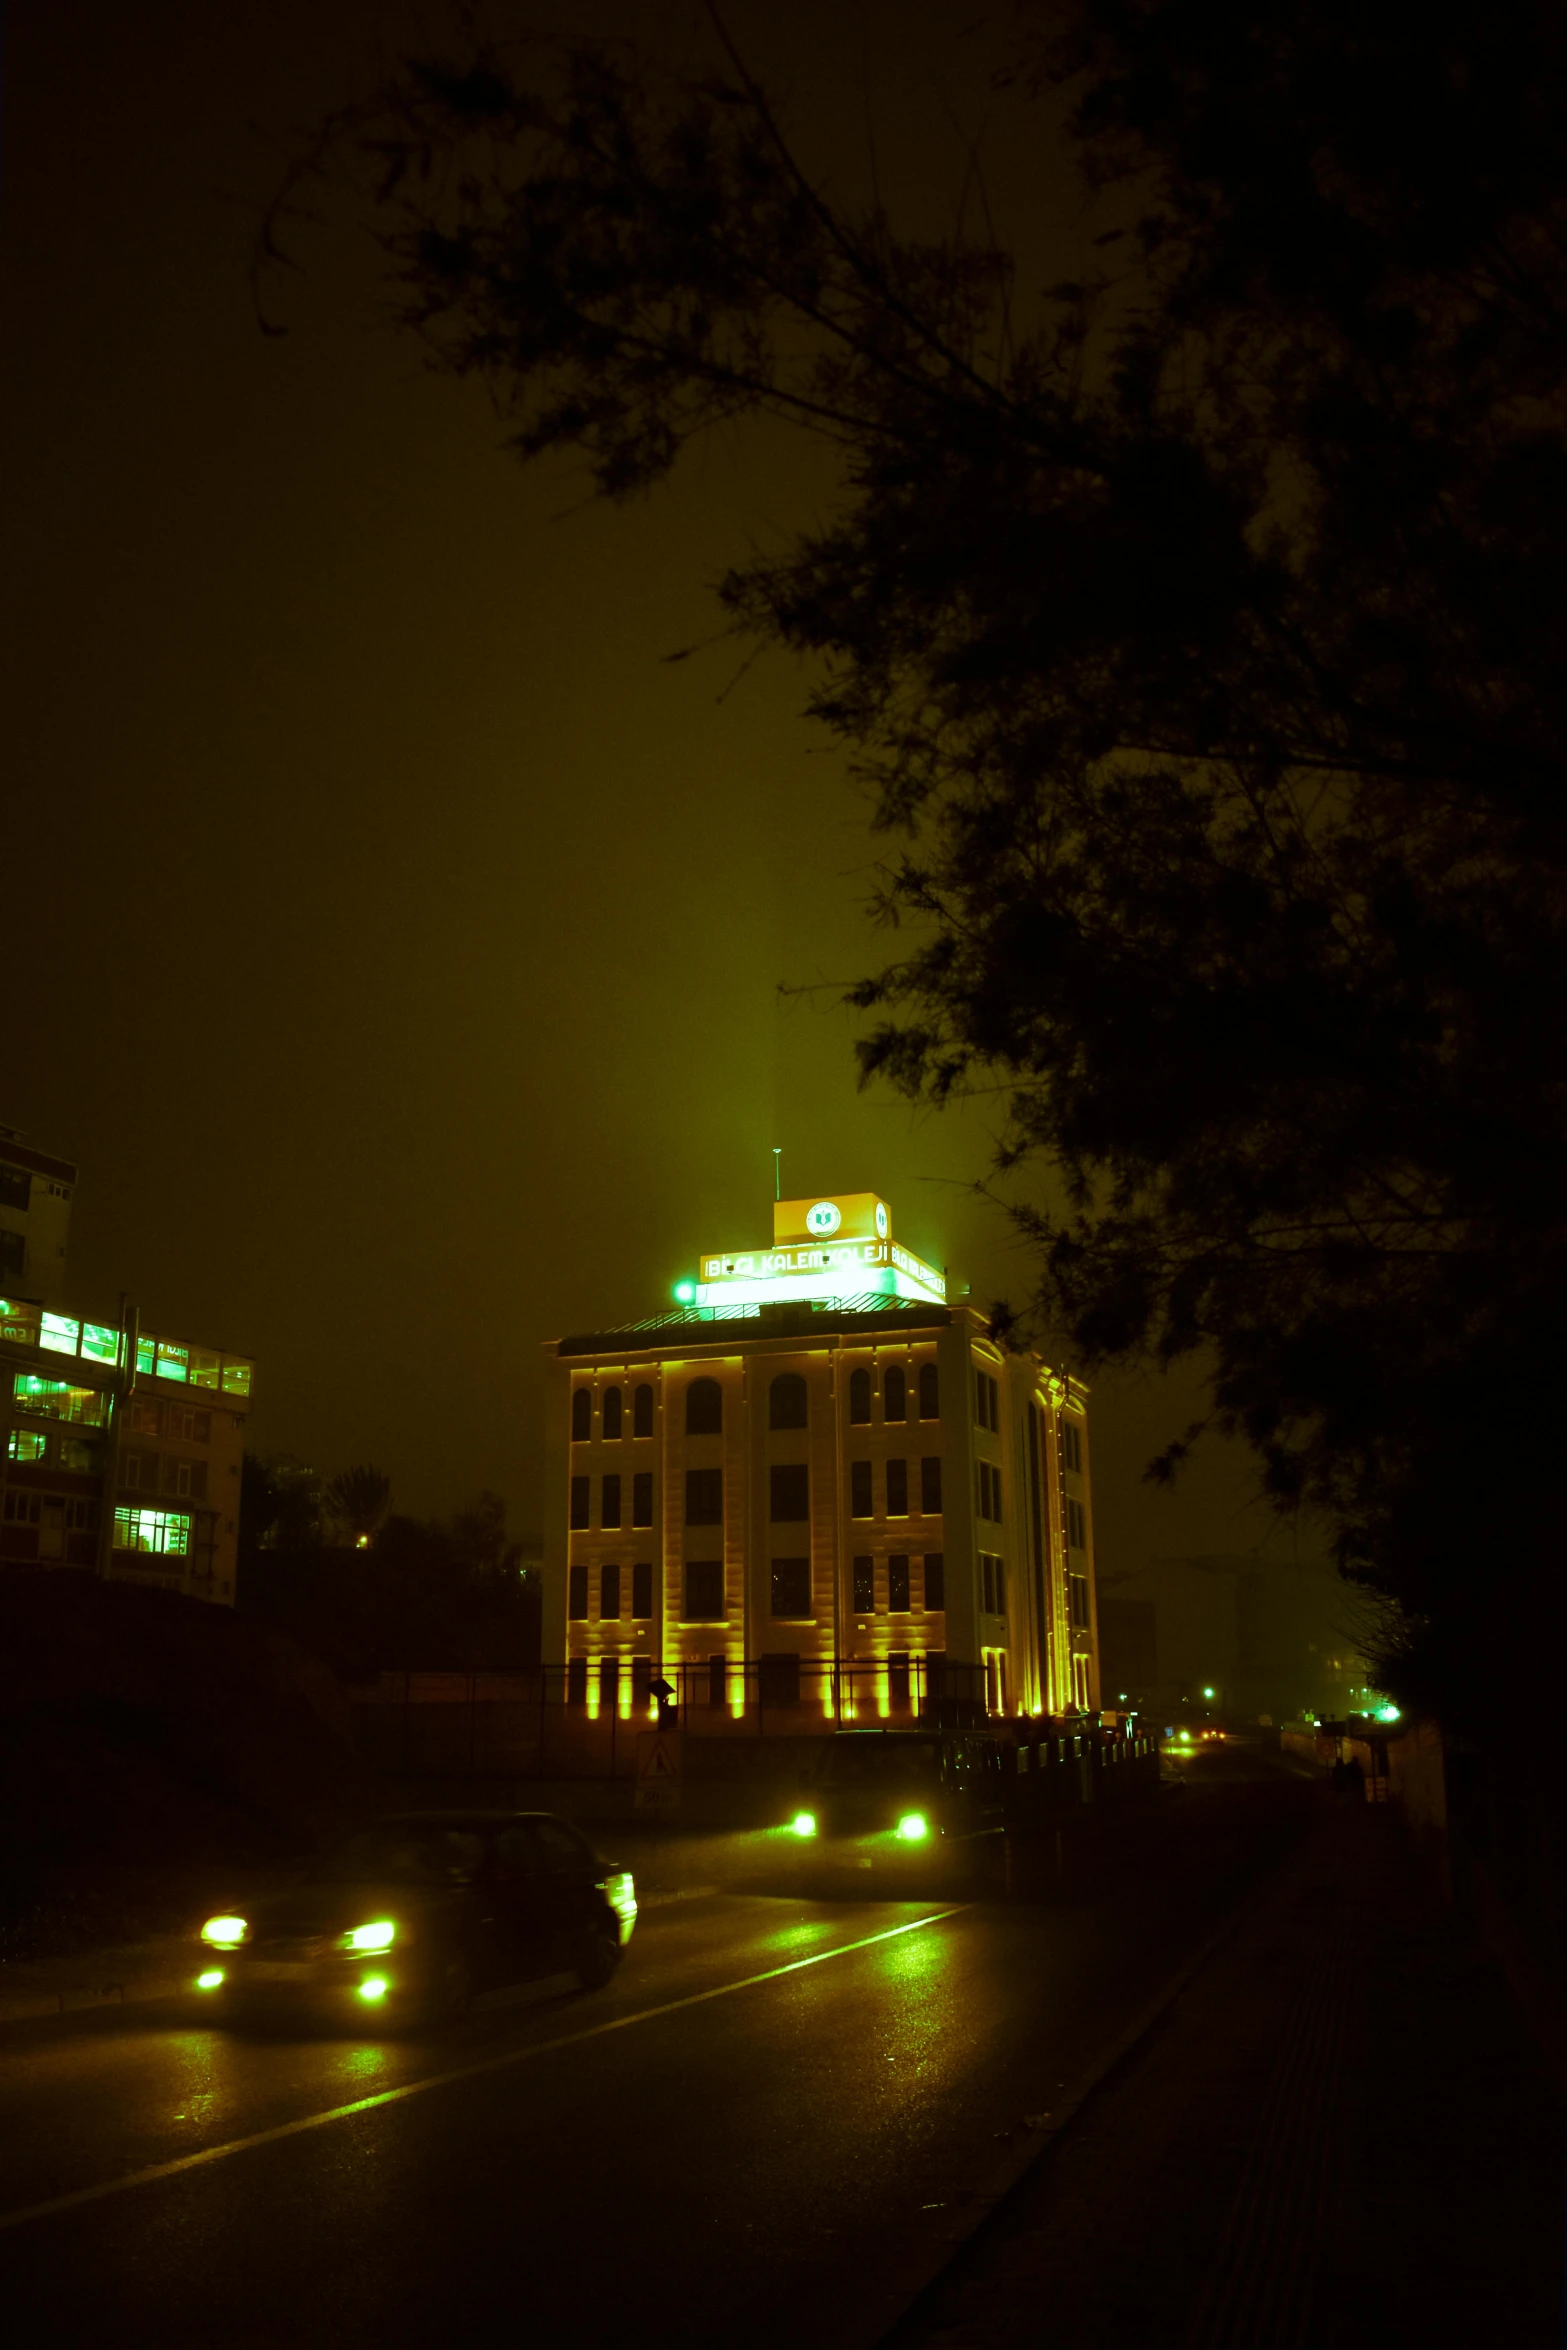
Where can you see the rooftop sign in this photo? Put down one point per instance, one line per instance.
(828, 1247)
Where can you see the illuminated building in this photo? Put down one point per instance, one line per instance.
(132, 1472)
(35, 1219)
(817, 1490)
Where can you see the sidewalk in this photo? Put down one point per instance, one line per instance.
(1339, 2129)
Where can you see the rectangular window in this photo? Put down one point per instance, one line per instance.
(130, 1469)
(704, 1497)
(579, 1503)
(897, 1489)
(861, 1504)
(778, 1680)
(609, 1502)
(22, 1509)
(704, 1591)
(1076, 1526)
(642, 1588)
(898, 1586)
(81, 1515)
(13, 1272)
(163, 1532)
(80, 1453)
(930, 1485)
(898, 1678)
(609, 1685)
(935, 1581)
(27, 1444)
(205, 1366)
(642, 1498)
(1078, 1587)
(609, 1594)
(577, 1680)
(789, 1493)
(864, 1586)
(236, 1376)
(987, 1401)
(146, 1416)
(60, 1335)
(577, 1595)
(791, 1592)
(16, 1187)
(987, 1587)
(1071, 1446)
(53, 1399)
(18, 1321)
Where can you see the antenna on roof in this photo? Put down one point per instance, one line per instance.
(778, 1170)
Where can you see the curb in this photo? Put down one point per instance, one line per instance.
(78, 1998)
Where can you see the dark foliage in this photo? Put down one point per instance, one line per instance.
(448, 1595)
(1202, 635)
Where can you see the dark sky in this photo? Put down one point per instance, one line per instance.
(393, 935)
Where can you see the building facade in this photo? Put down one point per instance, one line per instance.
(818, 1491)
(120, 1452)
(35, 1219)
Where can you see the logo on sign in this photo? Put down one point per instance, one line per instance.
(881, 1219)
(824, 1219)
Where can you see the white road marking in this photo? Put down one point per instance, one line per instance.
(467, 2072)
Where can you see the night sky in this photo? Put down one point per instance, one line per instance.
(393, 932)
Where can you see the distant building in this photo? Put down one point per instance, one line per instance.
(1266, 1636)
(817, 1490)
(120, 1451)
(35, 1219)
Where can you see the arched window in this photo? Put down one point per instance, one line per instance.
(894, 1395)
(787, 1402)
(930, 1392)
(704, 1408)
(859, 1397)
(612, 1411)
(582, 1415)
(642, 1411)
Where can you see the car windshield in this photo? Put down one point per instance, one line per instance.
(880, 1763)
(395, 1854)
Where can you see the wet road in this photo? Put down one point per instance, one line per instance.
(758, 2131)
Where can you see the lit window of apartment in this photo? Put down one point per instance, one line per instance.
(864, 1586)
(27, 1444)
(898, 1598)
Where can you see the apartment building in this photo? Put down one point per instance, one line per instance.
(120, 1451)
(819, 1490)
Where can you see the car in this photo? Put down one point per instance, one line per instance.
(902, 1788)
(412, 1915)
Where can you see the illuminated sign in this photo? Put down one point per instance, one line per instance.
(822, 1248)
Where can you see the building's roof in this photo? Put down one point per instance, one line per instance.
(804, 1318)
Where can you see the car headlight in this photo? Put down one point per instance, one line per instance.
(225, 1933)
(804, 1823)
(913, 1827)
(379, 1936)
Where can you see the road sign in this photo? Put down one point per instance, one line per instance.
(658, 1770)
